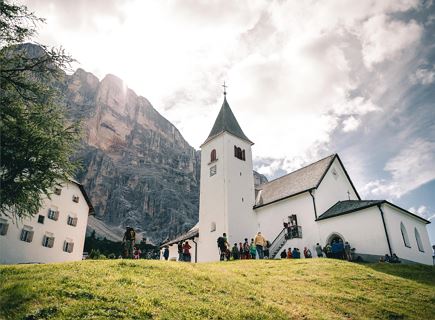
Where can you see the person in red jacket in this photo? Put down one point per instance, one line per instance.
(186, 252)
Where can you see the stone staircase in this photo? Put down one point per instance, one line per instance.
(278, 243)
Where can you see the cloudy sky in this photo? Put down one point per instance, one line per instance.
(306, 78)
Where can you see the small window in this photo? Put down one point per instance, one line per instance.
(4, 225)
(72, 221)
(213, 227)
(68, 246)
(405, 235)
(57, 191)
(48, 241)
(27, 234)
(41, 219)
(212, 171)
(53, 214)
(75, 199)
(213, 155)
(418, 239)
(334, 173)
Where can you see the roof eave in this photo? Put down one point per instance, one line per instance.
(222, 132)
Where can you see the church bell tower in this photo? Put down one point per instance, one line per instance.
(227, 186)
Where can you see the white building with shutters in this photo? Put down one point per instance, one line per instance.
(318, 203)
(55, 234)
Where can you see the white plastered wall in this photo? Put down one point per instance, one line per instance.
(13, 250)
(362, 229)
(271, 217)
(333, 188)
(239, 181)
(393, 218)
(212, 206)
(226, 198)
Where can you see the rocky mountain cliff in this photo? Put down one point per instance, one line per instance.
(137, 167)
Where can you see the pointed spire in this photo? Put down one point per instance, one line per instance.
(227, 122)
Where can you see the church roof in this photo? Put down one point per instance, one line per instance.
(296, 182)
(226, 122)
(349, 206)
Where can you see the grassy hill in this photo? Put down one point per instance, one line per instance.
(280, 289)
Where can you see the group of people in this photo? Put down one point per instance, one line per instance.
(258, 247)
(393, 259)
(337, 250)
(295, 253)
(183, 252)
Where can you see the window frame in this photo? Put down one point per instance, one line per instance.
(418, 240)
(404, 233)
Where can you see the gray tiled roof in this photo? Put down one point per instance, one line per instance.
(348, 206)
(226, 121)
(293, 183)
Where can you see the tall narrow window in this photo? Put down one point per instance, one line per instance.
(213, 155)
(405, 235)
(418, 239)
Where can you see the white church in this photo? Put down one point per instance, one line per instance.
(319, 201)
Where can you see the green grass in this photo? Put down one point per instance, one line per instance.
(280, 289)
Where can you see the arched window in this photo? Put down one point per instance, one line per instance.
(418, 239)
(405, 235)
(213, 155)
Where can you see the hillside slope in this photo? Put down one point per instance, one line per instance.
(279, 289)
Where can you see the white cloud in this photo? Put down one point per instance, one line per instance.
(294, 68)
(424, 76)
(383, 38)
(422, 211)
(351, 124)
(409, 169)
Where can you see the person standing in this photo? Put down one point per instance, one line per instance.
(253, 249)
(246, 249)
(241, 253)
(223, 246)
(260, 243)
(128, 240)
(319, 250)
(307, 253)
(328, 250)
(347, 251)
(235, 252)
(186, 252)
(340, 249)
(180, 251)
(166, 253)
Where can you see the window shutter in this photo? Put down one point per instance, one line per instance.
(30, 236)
(56, 215)
(74, 222)
(71, 247)
(4, 228)
(50, 242)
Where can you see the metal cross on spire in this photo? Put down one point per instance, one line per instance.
(225, 88)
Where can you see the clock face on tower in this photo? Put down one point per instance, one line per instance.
(212, 171)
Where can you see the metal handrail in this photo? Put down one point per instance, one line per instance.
(277, 241)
